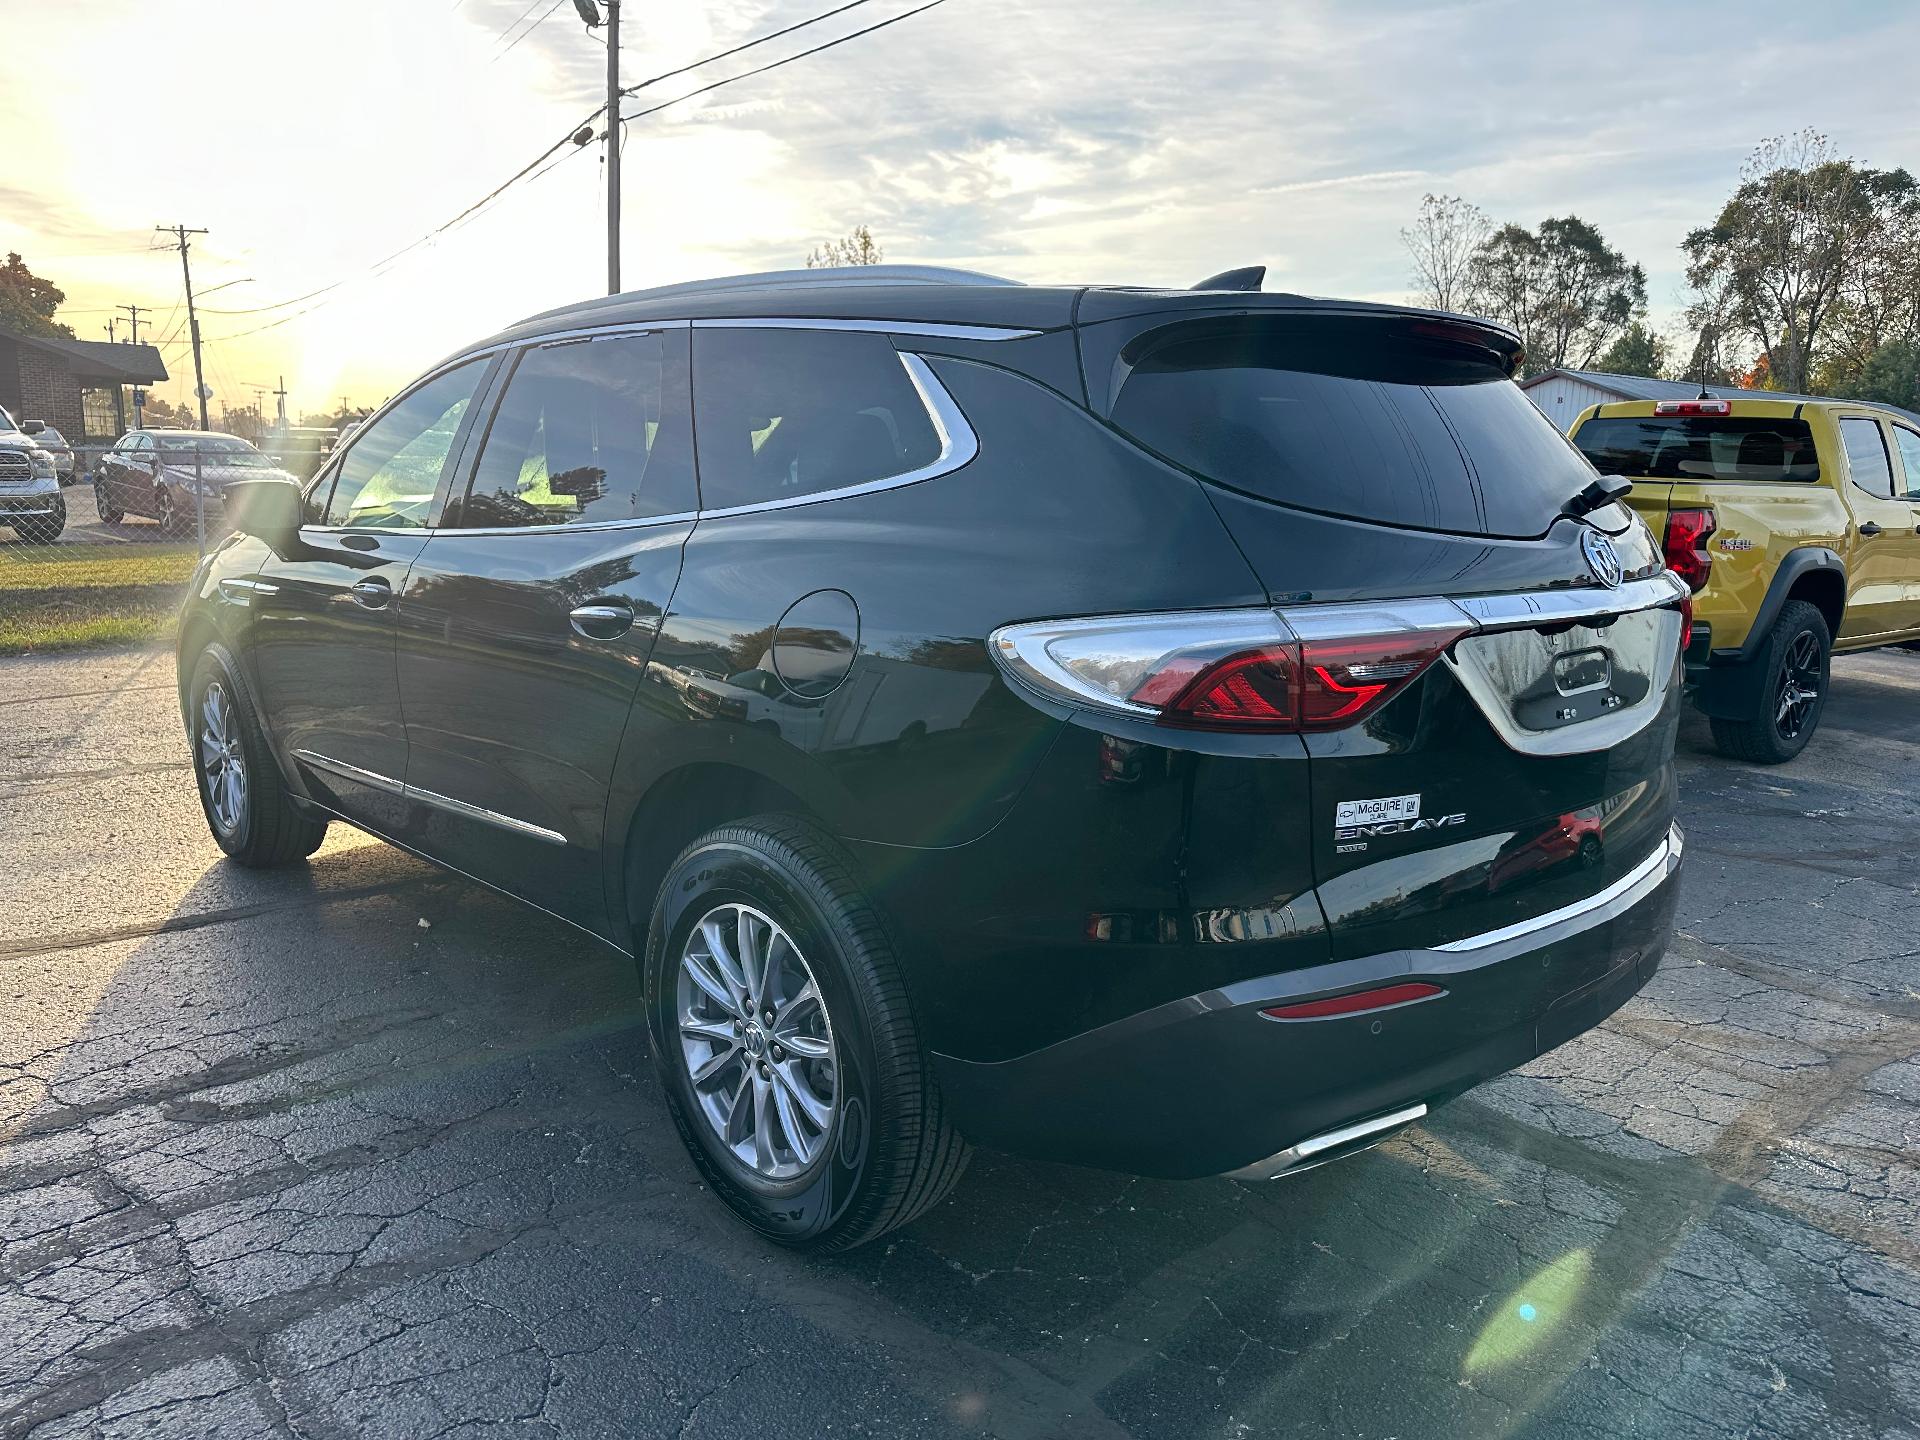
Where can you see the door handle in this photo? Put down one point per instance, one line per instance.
(602, 620)
(374, 593)
(1870, 529)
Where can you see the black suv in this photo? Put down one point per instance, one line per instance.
(1186, 732)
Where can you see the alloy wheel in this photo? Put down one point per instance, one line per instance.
(756, 1041)
(1799, 686)
(221, 760)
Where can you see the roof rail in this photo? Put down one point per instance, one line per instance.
(823, 278)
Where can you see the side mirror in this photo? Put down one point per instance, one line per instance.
(268, 510)
(33, 427)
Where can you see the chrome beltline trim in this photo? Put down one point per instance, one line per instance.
(1647, 876)
(388, 785)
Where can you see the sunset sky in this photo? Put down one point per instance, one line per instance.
(1129, 141)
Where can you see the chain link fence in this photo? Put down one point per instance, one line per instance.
(97, 543)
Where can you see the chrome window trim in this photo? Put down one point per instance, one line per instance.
(958, 446)
(388, 785)
(922, 329)
(1642, 880)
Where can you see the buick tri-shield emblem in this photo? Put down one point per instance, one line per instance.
(1601, 558)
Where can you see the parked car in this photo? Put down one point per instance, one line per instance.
(30, 499)
(1797, 525)
(1159, 734)
(166, 474)
(55, 444)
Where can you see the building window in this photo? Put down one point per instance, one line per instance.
(99, 416)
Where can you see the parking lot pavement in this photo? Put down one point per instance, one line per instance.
(359, 1149)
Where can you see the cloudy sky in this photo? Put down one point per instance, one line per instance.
(1134, 141)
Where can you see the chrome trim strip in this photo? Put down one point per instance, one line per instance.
(1647, 876)
(427, 532)
(241, 590)
(1375, 617)
(958, 446)
(388, 785)
(1533, 607)
(881, 327)
(490, 817)
(351, 772)
(1297, 1157)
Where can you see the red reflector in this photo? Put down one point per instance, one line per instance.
(1694, 407)
(1686, 622)
(1685, 548)
(1353, 1004)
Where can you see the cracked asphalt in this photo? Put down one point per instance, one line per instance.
(357, 1149)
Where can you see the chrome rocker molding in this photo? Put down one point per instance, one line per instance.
(1343, 1141)
(388, 785)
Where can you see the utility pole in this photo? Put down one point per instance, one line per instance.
(280, 398)
(613, 147)
(111, 337)
(590, 15)
(134, 312)
(180, 234)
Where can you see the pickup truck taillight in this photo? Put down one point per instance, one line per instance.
(1686, 546)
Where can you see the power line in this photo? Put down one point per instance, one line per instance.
(539, 162)
(528, 31)
(776, 64)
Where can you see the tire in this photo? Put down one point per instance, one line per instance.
(173, 524)
(108, 512)
(256, 822)
(1799, 649)
(42, 529)
(884, 1152)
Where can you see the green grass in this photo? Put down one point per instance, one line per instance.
(78, 597)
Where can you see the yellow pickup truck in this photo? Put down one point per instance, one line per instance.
(1797, 523)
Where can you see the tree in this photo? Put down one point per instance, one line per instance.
(1798, 231)
(27, 302)
(1561, 287)
(857, 248)
(1890, 376)
(1638, 351)
(1442, 243)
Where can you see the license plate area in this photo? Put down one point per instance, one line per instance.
(1564, 688)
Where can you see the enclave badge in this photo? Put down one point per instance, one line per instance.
(1601, 557)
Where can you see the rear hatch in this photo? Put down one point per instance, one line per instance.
(1498, 679)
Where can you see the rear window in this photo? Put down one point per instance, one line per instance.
(1374, 424)
(1700, 447)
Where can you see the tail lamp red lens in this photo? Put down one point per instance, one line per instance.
(1305, 685)
(1685, 546)
(1686, 622)
(1357, 1003)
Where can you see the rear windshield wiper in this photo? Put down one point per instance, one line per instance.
(1604, 491)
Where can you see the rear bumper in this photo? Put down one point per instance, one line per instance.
(1209, 1085)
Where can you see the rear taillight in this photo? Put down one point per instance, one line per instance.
(1686, 623)
(1685, 546)
(1321, 667)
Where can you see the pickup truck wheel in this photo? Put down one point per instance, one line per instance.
(1793, 689)
(781, 1029)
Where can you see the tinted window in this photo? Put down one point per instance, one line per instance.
(1909, 443)
(1700, 447)
(1373, 426)
(785, 413)
(589, 431)
(1867, 462)
(391, 471)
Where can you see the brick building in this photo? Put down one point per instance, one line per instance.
(76, 386)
